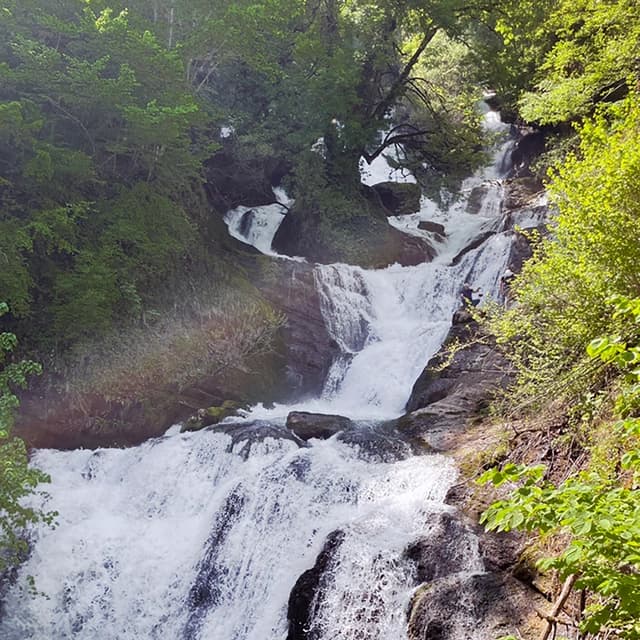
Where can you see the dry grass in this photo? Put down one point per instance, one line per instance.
(209, 339)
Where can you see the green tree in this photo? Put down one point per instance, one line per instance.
(560, 297)
(100, 159)
(593, 59)
(288, 73)
(17, 479)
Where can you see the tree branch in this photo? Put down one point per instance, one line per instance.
(552, 618)
(398, 86)
(394, 138)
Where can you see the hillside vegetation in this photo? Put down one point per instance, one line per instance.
(572, 328)
(128, 128)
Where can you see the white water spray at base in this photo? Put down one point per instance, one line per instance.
(192, 537)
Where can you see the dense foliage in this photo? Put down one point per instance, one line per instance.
(597, 509)
(98, 162)
(592, 59)
(17, 479)
(583, 78)
(109, 109)
(560, 297)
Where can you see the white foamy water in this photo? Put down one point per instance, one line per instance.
(255, 225)
(194, 537)
(389, 322)
(200, 537)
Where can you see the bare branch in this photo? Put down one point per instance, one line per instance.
(397, 87)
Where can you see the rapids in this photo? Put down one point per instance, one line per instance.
(202, 536)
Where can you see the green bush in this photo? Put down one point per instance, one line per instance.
(17, 479)
(591, 254)
(598, 509)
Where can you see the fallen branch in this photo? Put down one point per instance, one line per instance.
(552, 618)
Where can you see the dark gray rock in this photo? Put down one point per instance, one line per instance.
(304, 593)
(518, 192)
(399, 198)
(306, 345)
(476, 198)
(246, 222)
(474, 244)
(433, 227)
(471, 606)
(525, 151)
(521, 251)
(443, 549)
(445, 397)
(308, 425)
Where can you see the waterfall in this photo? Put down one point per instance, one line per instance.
(203, 536)
(192, 536)
(257, 226)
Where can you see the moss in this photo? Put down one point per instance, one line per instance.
(226, 409)
(212, 415)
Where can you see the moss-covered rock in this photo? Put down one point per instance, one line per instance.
(212, 415)
(353, 229)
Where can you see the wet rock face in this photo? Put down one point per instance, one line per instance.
(519, 192)
(444, 550)
(442, 400)
(459, 606)
(476, 198)
(307, 347)
(362, 236)
(525, 151)
(299, 367)
(399, 198)
(433, 227)
(308, 425)
(300, 609)
(455, 600)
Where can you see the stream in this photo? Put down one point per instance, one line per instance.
(203, 536)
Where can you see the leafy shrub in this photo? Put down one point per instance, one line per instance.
(598, 509)
(560, 296)
(17, 479)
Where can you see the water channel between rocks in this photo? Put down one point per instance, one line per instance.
(204, 535)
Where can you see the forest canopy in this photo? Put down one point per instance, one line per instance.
(110, 112)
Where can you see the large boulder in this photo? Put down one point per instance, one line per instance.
(432, 227)
(308, 425)
(444, 398)
(355, 231)
(399, 198)
(481, 605)
(357, 239)
(306, 346)
(445, 548)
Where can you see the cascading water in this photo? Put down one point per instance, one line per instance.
(202, 536)
(193, 536)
